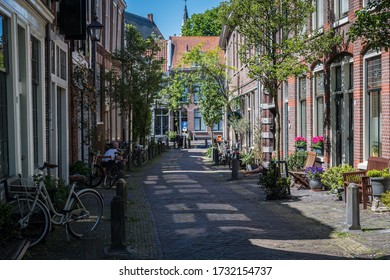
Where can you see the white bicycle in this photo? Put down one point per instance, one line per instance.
(34, 211)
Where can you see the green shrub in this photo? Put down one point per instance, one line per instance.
(209, 152)
(248, 158)
(385, 198)
(9, 229)
(296, 161)
(275, 186)
(79, 167)
(378, 173)
(332, 178)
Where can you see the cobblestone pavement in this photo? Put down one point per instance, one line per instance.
(182, 206)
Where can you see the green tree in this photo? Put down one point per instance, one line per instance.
(207, 72)
(372, 25)
(275, 43)
(136, 87)
(203, 24)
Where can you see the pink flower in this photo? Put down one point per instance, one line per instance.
(300, 139)
(317, 139)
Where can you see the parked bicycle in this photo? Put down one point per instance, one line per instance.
(139, 155)
(35, 213)
(95, 172)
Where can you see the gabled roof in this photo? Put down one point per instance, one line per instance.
(183, 44)
(145, 25)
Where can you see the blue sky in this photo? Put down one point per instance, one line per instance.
(168, 14)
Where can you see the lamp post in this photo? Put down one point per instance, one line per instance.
(94, 31)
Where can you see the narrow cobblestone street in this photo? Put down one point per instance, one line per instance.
(201, 214)
(181, 206)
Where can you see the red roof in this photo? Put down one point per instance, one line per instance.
(182, 44)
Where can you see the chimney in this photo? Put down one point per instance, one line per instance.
(150, 17)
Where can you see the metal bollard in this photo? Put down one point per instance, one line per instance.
(88, 246)
(235, 165)
(118, 231)
(216, 156)
(353, 214)
(121, 189)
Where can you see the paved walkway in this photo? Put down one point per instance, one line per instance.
(199, 213)
(181, 206)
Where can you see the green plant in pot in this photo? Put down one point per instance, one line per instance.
(333, 179)
(248, 159)
(380, 181)
(275, 186)
(296, 161)
(313, 173)
(385, 198)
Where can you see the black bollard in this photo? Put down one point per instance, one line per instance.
(118, 231)
(88, 246)
(216, 156)
(235, 165)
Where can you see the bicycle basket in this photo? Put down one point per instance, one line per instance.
(21, 186)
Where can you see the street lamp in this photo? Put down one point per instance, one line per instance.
(94, 30)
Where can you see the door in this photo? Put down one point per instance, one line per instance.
(339, 128)
(350, 131)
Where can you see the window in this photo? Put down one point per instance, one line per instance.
(161, 121)
(319, 96)
(196, 94)
(338, 84)
(302, 107)
(115, 23)
(218, 126)
(198, 121)
(318, 15)
(35, 65)
(4, 160)
(107, 26)
(341, 8)
(374, 80)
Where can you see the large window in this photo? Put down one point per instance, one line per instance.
(319, 97)
(199, 125)
(374, 80)
(161, 121)
(318, 15)
(341, 8)
(4, 161)
(302, 107)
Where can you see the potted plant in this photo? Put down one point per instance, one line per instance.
(300, 143)
(313, 174)
(248, 159)
(380, 181)
(317, 144)
(333, 179)
(296, 161)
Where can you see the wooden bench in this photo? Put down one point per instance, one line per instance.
(360, 179)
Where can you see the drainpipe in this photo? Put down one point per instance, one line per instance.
(48, 91)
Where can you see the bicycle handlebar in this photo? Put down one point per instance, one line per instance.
(48, 165)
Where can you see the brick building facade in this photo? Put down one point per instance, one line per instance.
(344, 97)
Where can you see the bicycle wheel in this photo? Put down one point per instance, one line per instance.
(85, 212)
(35, 227)
(95, 176)
(135, 159)
(111, 176)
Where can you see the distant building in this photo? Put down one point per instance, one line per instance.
(190, 116)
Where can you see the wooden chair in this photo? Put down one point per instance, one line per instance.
(300, 176)
(360, 179)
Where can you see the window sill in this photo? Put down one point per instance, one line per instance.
(340, 22)
(362, 165)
